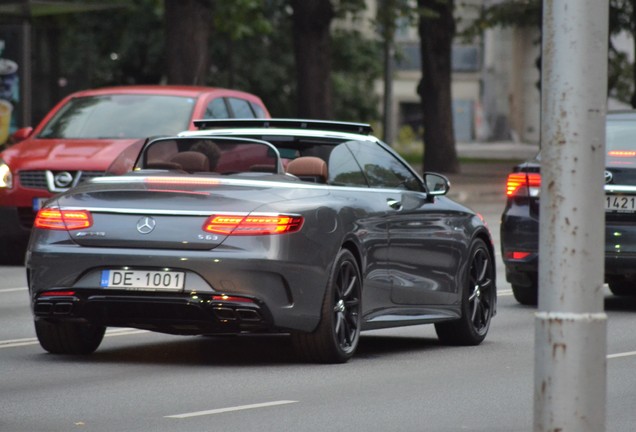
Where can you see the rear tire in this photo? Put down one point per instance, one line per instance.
(336, 338)
(478, 301)
(69, 337)
(526, 295)
(622, 287)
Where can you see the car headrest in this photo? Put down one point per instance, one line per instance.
(192, 161)
(309, 168)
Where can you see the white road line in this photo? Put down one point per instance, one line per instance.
(6, 290)
(229, 409)
(619, 355)
(12, 343)
(504, 292)
(18, 342)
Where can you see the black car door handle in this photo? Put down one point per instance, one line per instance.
(394, 204)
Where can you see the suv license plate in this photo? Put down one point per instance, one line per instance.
(620, 203)
(143, 280)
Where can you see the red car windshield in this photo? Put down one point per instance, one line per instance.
(120, 117)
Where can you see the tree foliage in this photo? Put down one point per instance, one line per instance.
(528, 13)
(123, 45)
(250, 48)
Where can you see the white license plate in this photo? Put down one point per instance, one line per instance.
(620, 203)
(143, 280)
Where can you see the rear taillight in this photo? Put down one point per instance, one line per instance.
(517, 255)
(522, 183)
(56, 219)
(622, 153)
(57, 294)
(252, 224)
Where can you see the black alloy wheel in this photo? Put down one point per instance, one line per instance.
(338, 333)
(478, 301)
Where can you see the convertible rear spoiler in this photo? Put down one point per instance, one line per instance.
(359, 128)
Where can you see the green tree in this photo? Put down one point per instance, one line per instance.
(123, 45)
(436, 30)
(528, 13)
(188, 26)
(249, 47)
(312, 51)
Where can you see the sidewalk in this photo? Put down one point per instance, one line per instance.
(484, 169)
(496, 150)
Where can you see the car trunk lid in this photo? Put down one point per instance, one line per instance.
(166, 212)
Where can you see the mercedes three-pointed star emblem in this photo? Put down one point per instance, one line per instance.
(146, 224)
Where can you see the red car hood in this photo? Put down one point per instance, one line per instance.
(65, 154)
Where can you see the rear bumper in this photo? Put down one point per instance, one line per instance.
(286, 295)
(519, 233)
(174, 314)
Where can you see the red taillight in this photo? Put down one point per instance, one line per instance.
(621, 153)
(57, 293)
(521, 182)
(252, 224)
(517, 255)
(182, 180)
(56, 219)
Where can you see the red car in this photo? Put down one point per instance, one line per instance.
(84, 133)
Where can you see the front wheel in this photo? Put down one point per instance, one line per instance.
(69, 337)
(478, 301)
(336, 338)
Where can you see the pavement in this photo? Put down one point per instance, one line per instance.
(484, 168)
(500, 150)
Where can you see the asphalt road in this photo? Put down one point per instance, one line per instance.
(400, 380)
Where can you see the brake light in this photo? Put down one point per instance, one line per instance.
(55, 219)
(182, 180)
(517, 255)
(519, 183)
(252, 224)
(621, 153)
(57, 294)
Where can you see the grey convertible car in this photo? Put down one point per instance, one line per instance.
(316, 229)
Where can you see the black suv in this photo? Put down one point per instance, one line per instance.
(520, 219)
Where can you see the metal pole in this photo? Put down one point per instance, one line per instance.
(570, 325)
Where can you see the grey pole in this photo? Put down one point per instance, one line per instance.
(570, 325)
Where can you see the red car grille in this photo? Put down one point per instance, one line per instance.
(37, 179)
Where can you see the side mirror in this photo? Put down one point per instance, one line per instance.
(436, 184)
(21, 134)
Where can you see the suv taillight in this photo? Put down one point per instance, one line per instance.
(523, 184)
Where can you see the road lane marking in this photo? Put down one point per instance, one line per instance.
(229, 409)
(619, 355)
(6, 290)
(12, 343)
(18, 342)
(504, 292)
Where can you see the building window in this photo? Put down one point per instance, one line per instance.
(464, 58)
